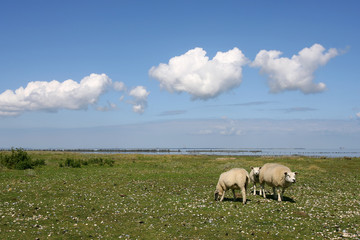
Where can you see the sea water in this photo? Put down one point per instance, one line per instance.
(338, 152)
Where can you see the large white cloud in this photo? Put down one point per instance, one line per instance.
(296, 73)
(139, 101)
(202, 78)
(54, 95)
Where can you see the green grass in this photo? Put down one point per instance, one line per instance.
(171, 197)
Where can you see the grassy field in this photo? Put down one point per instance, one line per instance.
(171, 197)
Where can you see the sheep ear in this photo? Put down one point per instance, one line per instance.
(296, 173)
(285, 173)
(252, 167)
(259, 168)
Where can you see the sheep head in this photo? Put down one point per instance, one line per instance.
(217, 195)
(256, 170)
(290, 177)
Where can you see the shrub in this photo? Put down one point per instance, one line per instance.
(39, 162)
(110, 162)
(69, 162)
(98, 161)
(102, 162)
(19, 159)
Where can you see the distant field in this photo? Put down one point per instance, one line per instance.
(171, 197)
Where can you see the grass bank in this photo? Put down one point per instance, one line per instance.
(171, 197)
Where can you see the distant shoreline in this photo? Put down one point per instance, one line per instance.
(340, 152)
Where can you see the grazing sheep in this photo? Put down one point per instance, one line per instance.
(236, 178)
(254, 177)
(276, 176)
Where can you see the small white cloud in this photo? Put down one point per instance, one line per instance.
(224, 127)
(358, 115)
(139, 101)
(119, 86)
(230, 130)
(139, 93)
(54, 95)
(202, 78)
(296, 73)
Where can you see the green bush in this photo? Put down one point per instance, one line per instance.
(102, 162)
(98, 161)
(69, 162)
(110, 162)
(19, 159)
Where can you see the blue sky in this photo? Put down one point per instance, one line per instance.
(84, 74)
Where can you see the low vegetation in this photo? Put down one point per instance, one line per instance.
(172, 197)
(19, 159)
(77, 163)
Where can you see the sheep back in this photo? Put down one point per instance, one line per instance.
(234, 179)
(273, 174)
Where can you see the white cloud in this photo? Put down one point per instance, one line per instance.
(296, 73)
(230, 131)
(358, 115)
(54, 95)
(139, 101)
(226, 127)
(119, 86)
(202, 78)
(229, 127)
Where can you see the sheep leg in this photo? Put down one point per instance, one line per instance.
(278, 193)
(263, 189)
(254, 188)
(243, 193)
(222, 197)
(260, 192)
(282, 193)
(233, 190)
(274, 192)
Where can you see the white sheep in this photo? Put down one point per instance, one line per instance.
(236, 178)
(254, 177)
(276, 176)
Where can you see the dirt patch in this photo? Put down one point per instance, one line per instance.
(315, 167)
(225, 158)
